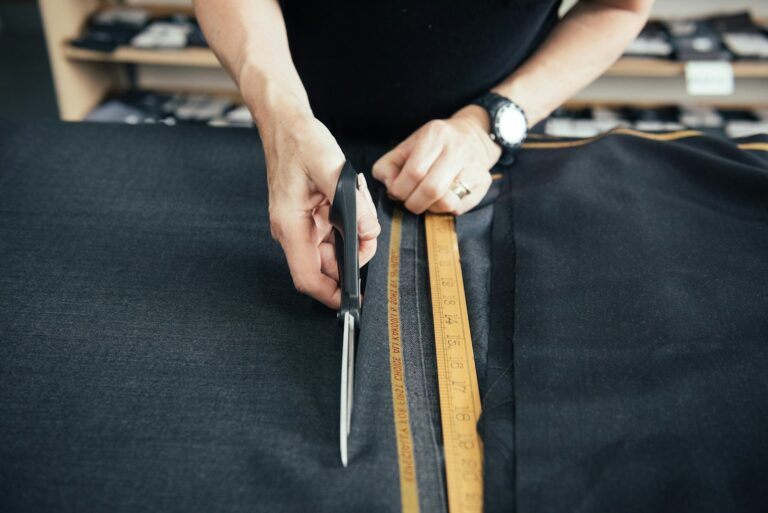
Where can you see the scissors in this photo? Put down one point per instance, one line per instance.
(343, 218)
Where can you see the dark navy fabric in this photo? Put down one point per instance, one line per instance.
(154, 355)
(630, 300)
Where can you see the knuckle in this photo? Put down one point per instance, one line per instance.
(330, 160)
(412, 206)
(301, 284)
(437, 127)
(275, 229)
(416, 171)
(275, 224)
(431, 190)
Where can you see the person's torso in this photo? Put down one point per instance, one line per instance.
(382, 68)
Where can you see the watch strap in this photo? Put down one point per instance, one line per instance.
(492, 102)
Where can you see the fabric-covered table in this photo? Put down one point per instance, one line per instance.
(155, 357)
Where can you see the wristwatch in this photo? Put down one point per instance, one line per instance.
(509, 126)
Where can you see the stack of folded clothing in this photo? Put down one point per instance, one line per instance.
(116, 27)
(146, 107)
(742, 36)
(587, 122)
(112, 28)
(716, 38)
(740, 123)
(720, 122)
(653, 119)
(171, 33)
(696, 40)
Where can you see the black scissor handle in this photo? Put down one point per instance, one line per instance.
(343, 217)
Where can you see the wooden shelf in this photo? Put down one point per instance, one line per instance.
(194, 57)
(614, 104)
(642, 67)
(204, 58)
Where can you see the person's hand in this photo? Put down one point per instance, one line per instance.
(422, 169)
(303, 165)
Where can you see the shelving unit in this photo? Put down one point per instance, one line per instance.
(84, 77)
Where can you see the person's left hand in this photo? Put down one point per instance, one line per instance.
(421, 170)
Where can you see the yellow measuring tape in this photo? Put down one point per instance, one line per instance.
(457, 377)
(456, 373)
(409, 489)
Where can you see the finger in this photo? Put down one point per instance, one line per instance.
(367, 221)
(328, 263)
(478, 181)
(366, 251)
(435, 184)
(297, 238)
(368, 227)
(423, 156)
(389, 165)
(323, 227)
(367, 238)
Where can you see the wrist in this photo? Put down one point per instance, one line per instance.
(517, 91)
(272, 100)
(475, 114)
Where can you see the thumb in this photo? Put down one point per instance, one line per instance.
(367, 223)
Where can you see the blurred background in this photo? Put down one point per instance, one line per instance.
(698, 63)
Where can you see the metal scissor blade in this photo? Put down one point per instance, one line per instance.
(347, 384)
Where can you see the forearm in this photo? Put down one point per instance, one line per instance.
(590, 38)
(250, 40)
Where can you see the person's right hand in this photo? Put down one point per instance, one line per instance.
(303, 165)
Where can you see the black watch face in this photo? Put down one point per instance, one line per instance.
(510, 125)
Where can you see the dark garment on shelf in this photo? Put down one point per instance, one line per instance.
(154, 355)
(696, 40)
(380, 69)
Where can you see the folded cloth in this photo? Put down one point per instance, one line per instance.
(696, 40)
(741, 35)
(163, 35)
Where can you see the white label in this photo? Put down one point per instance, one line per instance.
(709, 78)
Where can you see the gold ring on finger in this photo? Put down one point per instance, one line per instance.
(460, 189)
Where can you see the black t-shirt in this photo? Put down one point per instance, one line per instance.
(382, 68)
